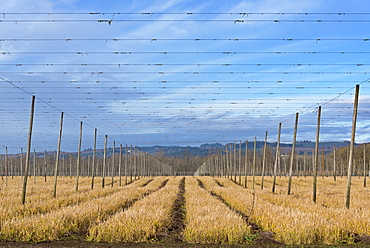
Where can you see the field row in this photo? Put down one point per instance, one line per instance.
(142, 211)
(40, 200)
(295, 218)
(191, 209)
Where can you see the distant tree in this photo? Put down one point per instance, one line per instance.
(184, 163)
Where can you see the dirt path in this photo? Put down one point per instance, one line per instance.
(82, 244)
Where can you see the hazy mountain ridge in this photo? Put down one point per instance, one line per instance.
(209, 149)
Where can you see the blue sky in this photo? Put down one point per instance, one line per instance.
(174, 78)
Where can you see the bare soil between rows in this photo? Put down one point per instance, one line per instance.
(84, 244)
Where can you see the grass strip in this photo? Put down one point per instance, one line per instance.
(143, 221)
(209, 221)
(74, 220)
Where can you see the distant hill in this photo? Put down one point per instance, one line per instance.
(209, 149)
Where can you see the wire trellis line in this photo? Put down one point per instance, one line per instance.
(186, 81)
(178, 52)
(179, 39)
(44, 101)
(185, 72)
(186, 64)
(185, 13)
(234, 21)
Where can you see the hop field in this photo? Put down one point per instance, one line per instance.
(194, 210)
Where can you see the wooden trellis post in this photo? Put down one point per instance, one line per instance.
(292, 156)
(6, 166)
(78, 157)
(131, 171)
(113, 161)
(28, 151)
(264, 160)
(335, 163)
(21, 163)
(276, 159)
(364, 164)
(234, 161)
(352, 146)
(120, 165)
(240, 163)
(227, 161)
(58, 155)
(104, 161)
(126, 165)
(316, 160)
(94, 160)
(254, 161)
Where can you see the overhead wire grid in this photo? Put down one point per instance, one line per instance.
(180, 78)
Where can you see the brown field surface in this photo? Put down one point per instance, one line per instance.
(184, 211)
